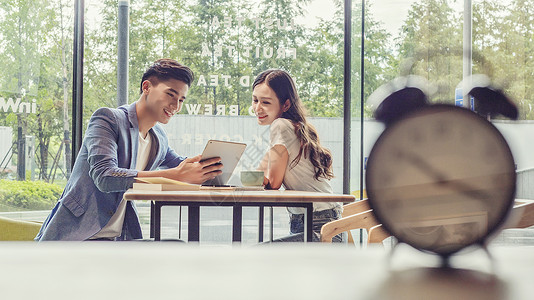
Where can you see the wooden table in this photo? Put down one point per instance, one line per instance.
(236, 199)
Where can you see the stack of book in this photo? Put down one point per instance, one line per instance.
(163, 184)
(166, 184)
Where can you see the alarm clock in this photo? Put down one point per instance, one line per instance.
(440, 177)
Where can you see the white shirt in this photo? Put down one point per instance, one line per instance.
(114, 227)
(302, 176)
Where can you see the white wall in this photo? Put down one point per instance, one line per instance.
(6, 139)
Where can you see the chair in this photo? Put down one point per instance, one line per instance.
(357, 215)
(17, 230)
(377, 234)
(522, 215)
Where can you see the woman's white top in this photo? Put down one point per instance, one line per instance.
(300, 177)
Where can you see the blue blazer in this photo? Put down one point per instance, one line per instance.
(103, 171)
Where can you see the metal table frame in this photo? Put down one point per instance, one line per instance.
(193, 227)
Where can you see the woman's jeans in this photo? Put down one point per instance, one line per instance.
(296, 222)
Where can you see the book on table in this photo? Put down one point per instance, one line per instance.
(166, 184)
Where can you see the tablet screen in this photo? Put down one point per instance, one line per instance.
(230, 154)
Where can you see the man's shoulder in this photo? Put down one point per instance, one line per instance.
(117, 115)
(113, 118)
(108, 111)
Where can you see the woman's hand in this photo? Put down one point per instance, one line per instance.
(267, 184)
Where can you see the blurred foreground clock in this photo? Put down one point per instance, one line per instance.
(440, 177)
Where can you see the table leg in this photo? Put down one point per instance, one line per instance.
(260, 223)
(157, 221)
(193, 223)
(151, 219)
(271, 216)
(180, 224)
(308, 224)
(237, 223)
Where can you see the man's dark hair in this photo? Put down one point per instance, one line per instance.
(165, 69)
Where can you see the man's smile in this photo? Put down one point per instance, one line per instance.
(169, 112)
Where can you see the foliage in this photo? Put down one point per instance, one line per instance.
(184, 29)
(35, 63)
(36, 54)
(430, 45)
(29, 195)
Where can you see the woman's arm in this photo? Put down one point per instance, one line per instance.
(274, 165)
(264, 165)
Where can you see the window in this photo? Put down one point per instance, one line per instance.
(226, 44)
(425, 38)
(35, 93)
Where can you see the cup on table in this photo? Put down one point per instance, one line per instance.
(252, 178)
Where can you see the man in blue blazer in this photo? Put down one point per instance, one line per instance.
(121, 144)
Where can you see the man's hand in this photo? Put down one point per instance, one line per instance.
(192, 170)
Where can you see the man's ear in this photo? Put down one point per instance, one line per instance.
(146, 86)
(287, 105)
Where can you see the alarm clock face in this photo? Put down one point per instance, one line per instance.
(441, 179)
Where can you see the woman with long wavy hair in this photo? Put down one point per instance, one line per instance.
(296, 158)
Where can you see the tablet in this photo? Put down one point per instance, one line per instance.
(230, 154)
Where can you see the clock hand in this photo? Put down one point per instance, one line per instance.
(441, 179)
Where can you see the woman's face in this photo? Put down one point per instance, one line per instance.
(265, 104)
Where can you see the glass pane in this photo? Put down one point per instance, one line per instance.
(356, 99)
(502, 48)
(35, 93)
(226, 44)
(425, 38)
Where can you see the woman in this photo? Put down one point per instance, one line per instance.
(296, 159)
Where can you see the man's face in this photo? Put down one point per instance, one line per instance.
(164, 98)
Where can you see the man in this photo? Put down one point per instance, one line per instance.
(121, 144)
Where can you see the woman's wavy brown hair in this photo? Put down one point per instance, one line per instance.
(284, 87)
